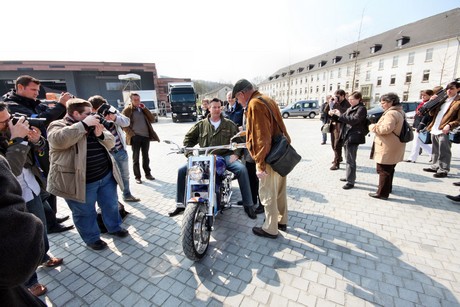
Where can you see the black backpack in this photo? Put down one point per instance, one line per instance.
(406, 134)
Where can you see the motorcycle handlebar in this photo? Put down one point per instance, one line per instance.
(206, 150)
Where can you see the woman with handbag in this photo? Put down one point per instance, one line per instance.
(419, 125)
(387, 150)
(353, 133)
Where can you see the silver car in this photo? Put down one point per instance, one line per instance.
(305, 108)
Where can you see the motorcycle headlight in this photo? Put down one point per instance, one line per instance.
(195, 173)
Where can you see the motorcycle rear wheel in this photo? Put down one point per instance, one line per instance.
(194, 232)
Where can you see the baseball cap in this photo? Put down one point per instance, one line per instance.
(239, 86)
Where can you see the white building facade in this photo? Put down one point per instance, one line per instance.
(405, 60)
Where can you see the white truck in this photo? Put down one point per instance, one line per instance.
(148, 98)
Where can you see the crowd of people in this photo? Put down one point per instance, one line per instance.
(78, 151)
(347, 117)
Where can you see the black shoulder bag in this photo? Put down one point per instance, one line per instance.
(282, 156)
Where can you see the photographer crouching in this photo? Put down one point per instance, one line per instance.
(82, 171)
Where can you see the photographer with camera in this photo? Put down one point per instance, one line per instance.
(22, 101)
(18, 142)
(82, 172)
(117, 121)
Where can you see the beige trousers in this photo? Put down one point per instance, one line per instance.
(272, 194)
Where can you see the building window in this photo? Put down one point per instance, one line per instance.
(381, 62)
(348, 71)
(317, 88)
(405, 96)
(324, 75)
(376, 48)
(311, 89)
(369, 64)
(366, 91)
(347, 85)
(410, 59)
(311, 78)
(356, 84)
(331, 74)
(358, 69)
(393, 80)
(379, 81)
(114, 86)
(317, 77)
(408, 77)
(324, 88)
(330, 87)
(426, 75)
(339, 73)
(338, 86)
(377, 97)
(429, 55)
(395, 61)
(368, 75)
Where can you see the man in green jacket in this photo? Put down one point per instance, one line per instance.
(216, 130)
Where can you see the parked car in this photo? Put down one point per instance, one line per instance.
(376, 112)
(305, 108)
(410, 117)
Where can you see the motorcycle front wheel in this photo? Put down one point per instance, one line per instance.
(194, 233)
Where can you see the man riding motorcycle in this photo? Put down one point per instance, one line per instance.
(216, 130)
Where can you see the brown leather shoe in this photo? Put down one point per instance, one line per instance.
(38, 289)
(53, 261)
(334, 167)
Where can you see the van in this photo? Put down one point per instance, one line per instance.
(305, 108)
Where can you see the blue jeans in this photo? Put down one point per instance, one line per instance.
(121, 157)
(237, 168)
(84, 215)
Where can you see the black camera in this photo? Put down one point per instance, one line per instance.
(103, 121)
(33, 121)
(106, 109)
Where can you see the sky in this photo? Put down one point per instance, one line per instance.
(212, 40)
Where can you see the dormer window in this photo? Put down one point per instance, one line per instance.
(270, 78)
(277, 76)
(336, 59)
(310, 66)
(376, 48)
(291, 72)
(322, 63)
(402, 41)
(353, 55)
(283, 74)
(300, 69)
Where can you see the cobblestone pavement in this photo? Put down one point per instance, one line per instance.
(341, 248)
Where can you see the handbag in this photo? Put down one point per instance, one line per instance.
(326, 128)
(282, 156)
(425, 136)
(454, 135)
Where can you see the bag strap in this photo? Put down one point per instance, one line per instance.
(402, 127)
(273, 115)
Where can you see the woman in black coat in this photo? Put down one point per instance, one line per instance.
(353, 133)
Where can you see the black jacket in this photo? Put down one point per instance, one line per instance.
(33, 108)
(235, 116)
(354, 129)
(22, 242)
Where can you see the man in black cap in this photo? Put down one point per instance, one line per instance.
(260, 131)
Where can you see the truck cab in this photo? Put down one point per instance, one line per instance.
(182, 97)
